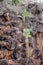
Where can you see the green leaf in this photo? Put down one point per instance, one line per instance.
(16, 2)
(27, 31)
(26, 13)
(29, 36)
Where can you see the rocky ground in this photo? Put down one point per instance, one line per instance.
(12, 41)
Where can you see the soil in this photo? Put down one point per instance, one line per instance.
(12, 40)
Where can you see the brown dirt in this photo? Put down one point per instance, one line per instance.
(12, 41)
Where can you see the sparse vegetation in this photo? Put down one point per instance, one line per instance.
(26, 33)
(21, 33)
(16, 2)
(26, 14)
